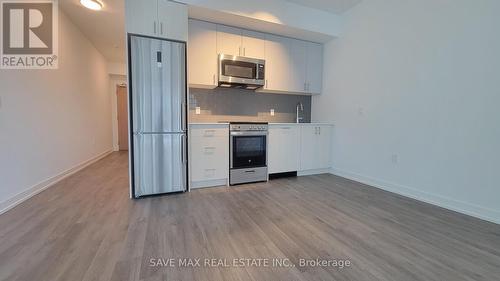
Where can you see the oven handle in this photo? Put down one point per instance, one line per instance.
(249, 133)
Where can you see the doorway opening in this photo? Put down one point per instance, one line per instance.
(122, 116)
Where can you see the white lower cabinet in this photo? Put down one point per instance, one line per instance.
(301, 148)
(283, 150)
(315, 143)
(209, 155)
(304, 148)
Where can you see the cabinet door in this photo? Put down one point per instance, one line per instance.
(277, 63)
(298, 66)
(308, 148)
(202, 54)
(141, 17)
(283, 149)
(314, 68)
(254, 44)
(324, 146)
(173, 20)
(228, 40)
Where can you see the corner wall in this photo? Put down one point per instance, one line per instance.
(53, 122)
(413, 90)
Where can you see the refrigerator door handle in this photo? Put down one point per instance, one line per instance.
(184, 152)
(183, 117)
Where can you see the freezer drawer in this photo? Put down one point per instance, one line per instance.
(159, 163)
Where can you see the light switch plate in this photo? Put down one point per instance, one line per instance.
(272, 112)
(198, 110)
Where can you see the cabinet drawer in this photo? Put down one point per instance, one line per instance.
(206, 174)
(210, 132)
(209, 155)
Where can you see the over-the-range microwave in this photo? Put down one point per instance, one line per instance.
(241, 72)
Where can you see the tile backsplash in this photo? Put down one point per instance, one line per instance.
(232, 105)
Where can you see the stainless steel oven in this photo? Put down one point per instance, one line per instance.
(248, 152)
(241, 72)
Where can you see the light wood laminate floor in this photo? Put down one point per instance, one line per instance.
(86, 228)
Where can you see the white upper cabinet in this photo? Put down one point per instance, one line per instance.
(173, 20)
(277, 63)
(157, 18)
(240, 42)
(292, 66)
(141, 17)
(202, 54)
(253, 44)
(314, 72)
(228, 40)
(298, 69)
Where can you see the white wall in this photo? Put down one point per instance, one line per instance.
(419, 80)
(53, 120)
(117, 68)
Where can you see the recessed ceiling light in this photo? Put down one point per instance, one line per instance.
(91, 4)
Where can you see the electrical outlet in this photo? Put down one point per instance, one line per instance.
(394, 159)
(361, 111)
(198, 110)
(272, 112)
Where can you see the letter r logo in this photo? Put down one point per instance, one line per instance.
(27, 27)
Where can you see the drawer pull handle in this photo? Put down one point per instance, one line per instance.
(250, 171)
(209, 133)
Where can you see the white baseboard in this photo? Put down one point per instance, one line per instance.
(313, 172)
(434, 199)
(41, 186)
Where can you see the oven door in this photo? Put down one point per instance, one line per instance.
(248, 150)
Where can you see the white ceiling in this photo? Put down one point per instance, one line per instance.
(333, 6)
(104, 28)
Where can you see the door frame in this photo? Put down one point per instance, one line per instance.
(120, 85)
(115, 80)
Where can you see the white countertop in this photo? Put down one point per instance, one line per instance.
(305, 124)
(209, 123)
(282, 124)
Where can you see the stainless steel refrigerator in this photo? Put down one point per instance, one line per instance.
(157, 77)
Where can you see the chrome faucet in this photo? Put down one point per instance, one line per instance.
(300, 111)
